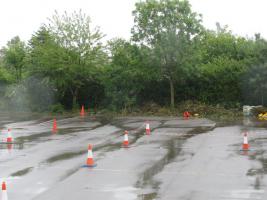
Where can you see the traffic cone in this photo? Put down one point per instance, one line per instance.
(4, 192)
(90, 160)
(82, 111)
(126, 140)
(9, 136)
(245, 143)
(54, 129)
(147, 129)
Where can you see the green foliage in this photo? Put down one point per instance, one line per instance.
(127, 73)
(169, 28)
(171, 57)
(74, 33)
(5, 76)
(57, 108)
(220, 81)
(13, 56)
(216, 112)
(69, 52)
(255, 85)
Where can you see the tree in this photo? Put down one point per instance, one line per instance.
(169, 27)
(13, 55)
(126, 76)
(223, 58)
(83, 48)
(69, 52)
(255, 86)
(74, 33)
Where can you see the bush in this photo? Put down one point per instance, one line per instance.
(57, 108)
(217, 112)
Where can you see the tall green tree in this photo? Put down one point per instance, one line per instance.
(75, 33)
(47, 60)
(13, 56)
(169, 27)
(68, 51)
(84, 51)
(127, 74)
(224, 59)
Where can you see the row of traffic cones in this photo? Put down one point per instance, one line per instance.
(125, 144)
(126, 140)
(10, 140)
(82, 114)
(54, 129)
(90, 161)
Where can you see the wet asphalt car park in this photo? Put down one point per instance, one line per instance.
(192, 159)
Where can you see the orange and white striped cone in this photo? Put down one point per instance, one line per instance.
(4, 191)
(245, 143)
(147, 129)
(82, 113)
(90, 161)
(9, 136)
(54, 129)
(126, 140)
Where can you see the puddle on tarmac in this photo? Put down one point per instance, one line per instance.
(64, 156)
(22, 172)
(74, 130)
(34, 137)
(70, 155)
(106, 147)
(17, 146)
(37, 137)
(173, 147)
(69, 173)
(257, 152)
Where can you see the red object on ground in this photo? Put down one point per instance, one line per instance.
(9, 136)
(82, 113)
(126, 140)
(147, 129)
(4, 191)
(245, 142)
(90, 160)
(186, 114)
(3, 186)
(54, 126)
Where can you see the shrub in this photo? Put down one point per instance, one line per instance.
(57, 108)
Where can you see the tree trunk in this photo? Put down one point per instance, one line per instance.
(172, 93)
(17, 74)
(20, 73)
(74, 97)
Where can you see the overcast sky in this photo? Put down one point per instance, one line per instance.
(24, 17)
